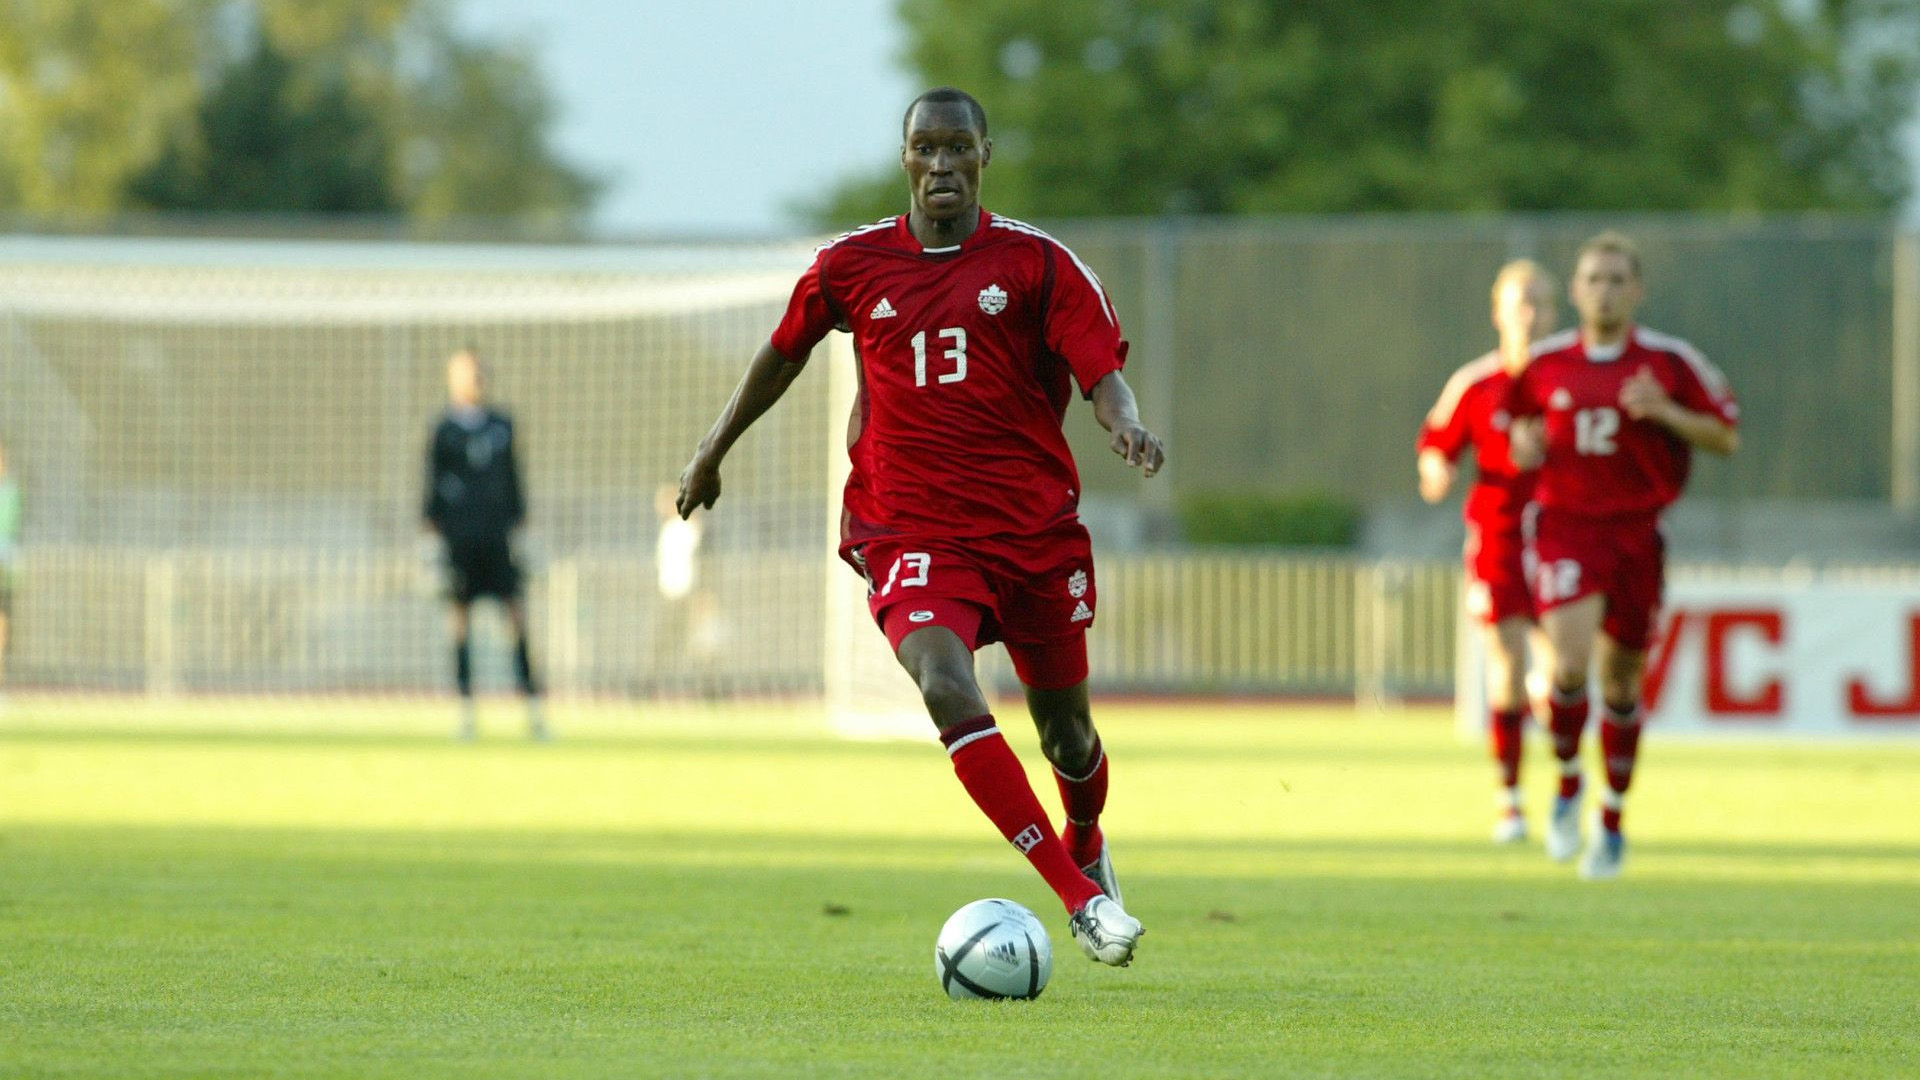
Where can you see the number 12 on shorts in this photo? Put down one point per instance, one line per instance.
(915, 563)
(1558, 580)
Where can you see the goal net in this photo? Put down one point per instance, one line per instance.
(220, 452)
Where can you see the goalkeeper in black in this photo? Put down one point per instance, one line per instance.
(474, 503)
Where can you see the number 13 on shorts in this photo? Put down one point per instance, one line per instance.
(915, 563)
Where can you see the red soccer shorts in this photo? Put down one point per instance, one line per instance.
(1498, 586)
(1036, 593)
(1623, 559)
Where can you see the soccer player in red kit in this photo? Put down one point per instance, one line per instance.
(1472, 411)
(1611, 416)
(971, 331)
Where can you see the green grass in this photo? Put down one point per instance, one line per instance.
(186, 898)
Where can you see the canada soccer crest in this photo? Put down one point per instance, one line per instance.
(993, 299)
(1077, 584)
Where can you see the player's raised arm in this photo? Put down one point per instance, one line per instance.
(1114, 406)
(767, 378)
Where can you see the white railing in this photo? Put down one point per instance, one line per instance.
(314, 620)
(285, 620)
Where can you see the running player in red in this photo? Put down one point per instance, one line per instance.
(971, 332)
(1472, 410)
(1611, 415)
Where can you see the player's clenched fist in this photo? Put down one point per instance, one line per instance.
(699, 487)
(1139, 446)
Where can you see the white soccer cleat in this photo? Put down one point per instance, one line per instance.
(1563, 831)
(1510, 829)
(1100, 872)
(1605, 855)
(1106, 932)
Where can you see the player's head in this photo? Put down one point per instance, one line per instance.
(1523, 300)
(1606, 286)
(944, 146)
(466, 378)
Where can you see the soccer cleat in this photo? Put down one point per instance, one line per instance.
(1100, 872)
(1604, 855)
(1563, 831)
(1510, 829)
(1105, 931)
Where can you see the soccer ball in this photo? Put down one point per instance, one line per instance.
(993, 949)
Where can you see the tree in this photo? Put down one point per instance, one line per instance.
(361, 106)
(1127, 107)
(264, 143)
(85, 101)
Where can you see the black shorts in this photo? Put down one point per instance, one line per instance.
(483, 568)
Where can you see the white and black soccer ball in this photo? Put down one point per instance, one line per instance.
(993, 949)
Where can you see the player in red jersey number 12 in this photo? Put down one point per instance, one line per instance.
(1611, 415)
(971, 332)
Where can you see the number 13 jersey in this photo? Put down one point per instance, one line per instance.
(967, 357)
(1600, 462)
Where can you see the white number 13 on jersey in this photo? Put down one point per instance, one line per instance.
(957, 354)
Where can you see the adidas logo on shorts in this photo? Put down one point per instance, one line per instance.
(1081, 612)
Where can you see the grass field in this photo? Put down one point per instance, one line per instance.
(717, 894)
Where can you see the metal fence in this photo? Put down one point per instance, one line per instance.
(1301, 354)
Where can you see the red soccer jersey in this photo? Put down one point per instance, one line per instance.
(967, 356)
(1472, 410)
(1601, 463)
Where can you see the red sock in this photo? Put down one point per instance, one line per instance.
(992, 774)
(1507, 741)
(1569, 713)
(1620, 746)
(1083, 797)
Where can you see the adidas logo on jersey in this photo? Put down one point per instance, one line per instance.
(1081, 612)
(882, 310)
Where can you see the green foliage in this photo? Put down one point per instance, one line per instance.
(1306, 519)
(321, 106)
(264, 145)
(1102, 107)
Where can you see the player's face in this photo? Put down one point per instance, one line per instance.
(1606, 290)
(943, 158)
(1525, 306)
(465, 382)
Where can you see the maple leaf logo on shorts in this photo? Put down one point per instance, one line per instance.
(1077, 584)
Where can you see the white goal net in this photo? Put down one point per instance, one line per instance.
(220, 450)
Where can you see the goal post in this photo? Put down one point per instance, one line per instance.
(220, 447)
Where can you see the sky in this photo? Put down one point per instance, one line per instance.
(713, 117)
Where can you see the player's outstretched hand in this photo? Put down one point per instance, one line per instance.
(1139, 446)
(1642, 396)
(699, 487)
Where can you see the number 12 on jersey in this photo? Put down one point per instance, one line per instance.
(957, 354)
(1594, 431)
